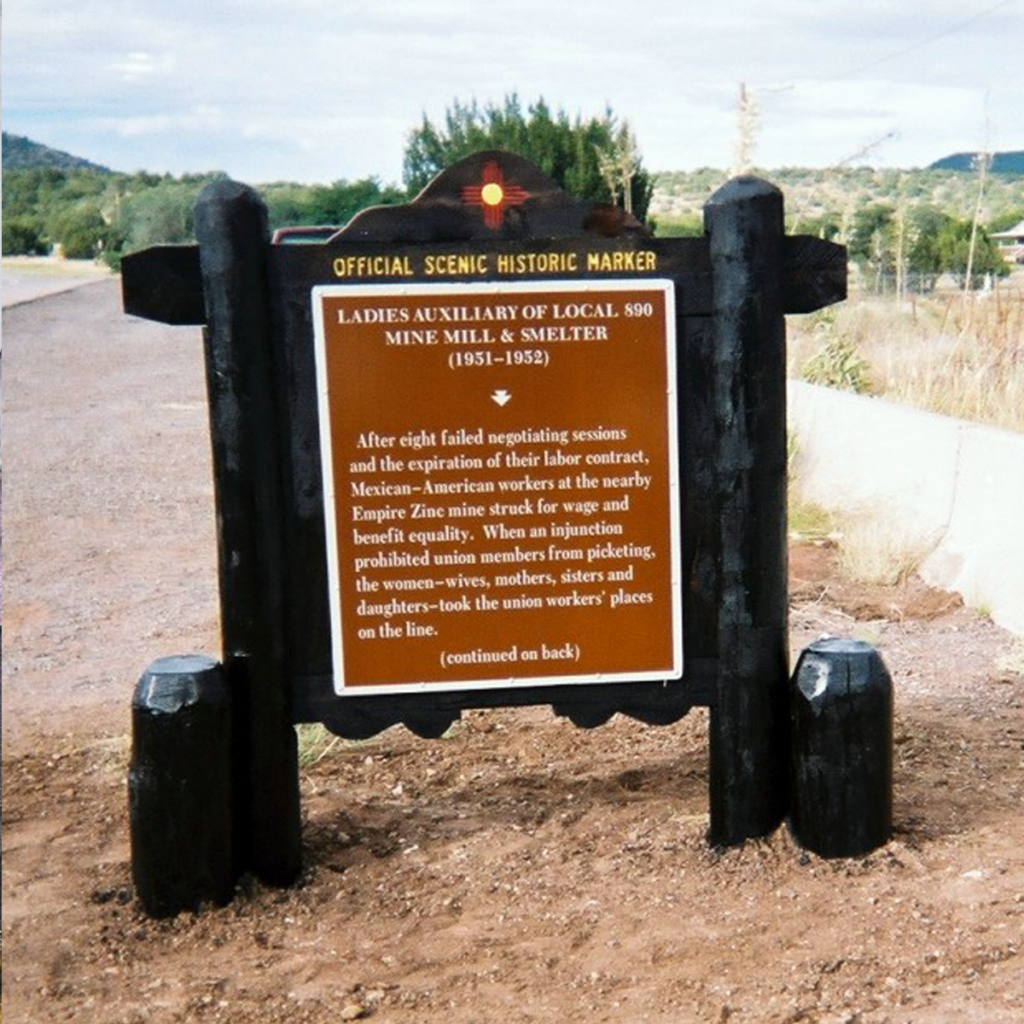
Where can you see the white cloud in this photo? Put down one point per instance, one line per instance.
(921, 122)
(317, 90)
(202, 120)
(139, 64)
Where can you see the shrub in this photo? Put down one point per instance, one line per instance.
(836, 363)
(22, 236)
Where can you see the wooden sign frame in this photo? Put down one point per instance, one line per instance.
(732, 289)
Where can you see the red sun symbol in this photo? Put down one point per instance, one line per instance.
(493, 195)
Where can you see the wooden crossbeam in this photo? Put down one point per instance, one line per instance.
(163, 283)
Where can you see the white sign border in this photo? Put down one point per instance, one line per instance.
(321, 292)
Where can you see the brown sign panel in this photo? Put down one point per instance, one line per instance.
(501, 483)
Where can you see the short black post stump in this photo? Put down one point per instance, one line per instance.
(179, 786)
(841, 709)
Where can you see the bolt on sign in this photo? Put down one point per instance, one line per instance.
(501, 482)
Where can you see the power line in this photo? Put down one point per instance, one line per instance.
(868, 148)
(927, 41)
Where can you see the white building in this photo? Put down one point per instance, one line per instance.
(1011, 243)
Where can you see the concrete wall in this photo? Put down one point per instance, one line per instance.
(953, 488)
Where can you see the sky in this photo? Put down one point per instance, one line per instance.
(322, 90)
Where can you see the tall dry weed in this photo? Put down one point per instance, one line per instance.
(960, 355)
(873, 549)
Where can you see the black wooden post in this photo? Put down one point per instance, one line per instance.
(231, 227)
(179, 787)
(841, 710)
(744, 223)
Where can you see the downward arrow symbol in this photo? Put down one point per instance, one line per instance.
(501, 397)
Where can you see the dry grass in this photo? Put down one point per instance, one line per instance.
(51, 266)
(809, 522)
(949, 353)
(315, 743)
(869, 549)
(876, 551)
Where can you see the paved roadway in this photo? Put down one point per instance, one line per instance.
(109, 555)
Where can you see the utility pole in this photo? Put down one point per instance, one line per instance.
(981, 161)
(748, 115)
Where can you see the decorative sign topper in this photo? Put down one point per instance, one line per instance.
(494, 195)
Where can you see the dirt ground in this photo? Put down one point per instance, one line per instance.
(519, 869)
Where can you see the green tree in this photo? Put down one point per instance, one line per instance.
(292, 205)
(81, 230)
(924, 224)
(1005, 220)
(23, 236)
(158, 215)
(943, 245)
(825, 225)
(872, 235)
(689, 225)
(954, 245)
(47, 206)
(149, 213)
(875, 241)
(594, 159)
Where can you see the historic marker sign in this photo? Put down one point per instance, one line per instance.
(445, 453)
(501, 483)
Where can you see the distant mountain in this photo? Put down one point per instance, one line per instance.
(22, 154)
(1002, 163)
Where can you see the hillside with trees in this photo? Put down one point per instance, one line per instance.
(20, 153)
(103, 215)
(90, 212)
(902, 226)
(816, 197)
(1000, 163)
